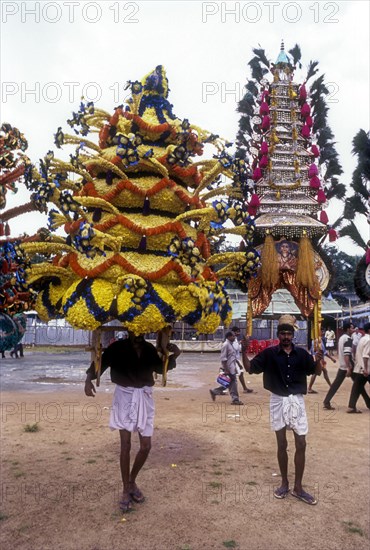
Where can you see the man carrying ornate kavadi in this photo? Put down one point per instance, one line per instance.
(140, 228)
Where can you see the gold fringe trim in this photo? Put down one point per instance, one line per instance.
(269, 264)
(306, 275)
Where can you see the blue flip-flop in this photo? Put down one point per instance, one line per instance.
(125, 505)
(305, 497)
(281, 492)
(137, 496)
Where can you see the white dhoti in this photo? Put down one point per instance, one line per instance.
(288, 411)
(133, 410)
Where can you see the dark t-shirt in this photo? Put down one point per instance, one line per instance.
(126, 368)
(284, 374)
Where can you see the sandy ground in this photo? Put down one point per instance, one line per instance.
(208, 480)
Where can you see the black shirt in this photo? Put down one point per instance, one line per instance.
(284, 374)
(126, 367)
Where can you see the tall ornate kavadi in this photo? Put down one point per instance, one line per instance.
(289, 197)
(139, 221)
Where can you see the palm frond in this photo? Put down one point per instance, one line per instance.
(312, 69)
(257, 71)
(333, 168)
(252, 88)
(361, 144)
(352, 232)
(357, 204)
(318, 87)
(260, 53)
(296, 53)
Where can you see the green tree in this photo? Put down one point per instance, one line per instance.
(357, 205)
(343, 267)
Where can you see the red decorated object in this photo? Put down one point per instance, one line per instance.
(367, 256)
(266, 122)
(264, 108)
(257, 174)
(305, 110)
(264, 148)
(255, 200)
(302, 93)
(313, 170)
(321, 197)
(315, 182)
(315, 151)
(332, 235)
(264, 162)
(324, 217)
(306, 131)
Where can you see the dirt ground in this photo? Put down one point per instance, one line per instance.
(208, 481)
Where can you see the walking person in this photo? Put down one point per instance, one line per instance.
(324, 369)
(132, 362)
(356, 336)
(228, 361)
(361, 371)
(239, 366)
(285, 368)
(330, 341)
(345, 363)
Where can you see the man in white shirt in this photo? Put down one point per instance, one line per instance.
(239, 366)
(361, 372)
(345, 363)
(228, 361)
(355, 340)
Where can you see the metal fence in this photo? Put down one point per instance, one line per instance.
(60, 333)
(54, 333)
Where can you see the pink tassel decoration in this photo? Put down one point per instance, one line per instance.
(367, 256)
(313, 170)
(257, 174)
(266, 122)
(321, 197)
(264, 161)
(264, 109)
(315, 182)
(265, 93)
(315, 151)
(264, 148)
(305, 110)
(302, 93)
(332, 235)
(306, 132)
(324, 217)
(309, 121)
(255, 200)
(252, 210)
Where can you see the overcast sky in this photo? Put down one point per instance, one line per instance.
(54, 52)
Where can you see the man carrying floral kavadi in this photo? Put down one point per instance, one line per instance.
(285, 368)
(132, 362)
